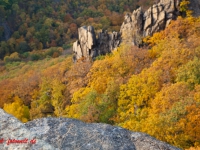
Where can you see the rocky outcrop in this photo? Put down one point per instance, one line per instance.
(88, 46)
(135, 27)
(67, 134)
(140, 24)
(84, 47)
(107, 42)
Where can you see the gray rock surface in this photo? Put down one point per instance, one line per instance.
(107, 42)
(195, 7)
(68, 134)
(11, 128)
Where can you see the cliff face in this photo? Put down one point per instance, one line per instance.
(88, 46)
(137, 25)
(63, 133)
(141, 24)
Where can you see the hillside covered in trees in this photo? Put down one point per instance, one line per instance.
(156, 91)
(27, 25)
(153, 89)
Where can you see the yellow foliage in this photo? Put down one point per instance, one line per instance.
(155, 91)
(119, 67)
(18, 109)
(135, 97)
(197, 93)
(151, 103)
(75, 110)
(173, 116)
(184, 7)
(57, 97)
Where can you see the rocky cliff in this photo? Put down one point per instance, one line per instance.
(68, 134)
(137, 25)
(88, 46)
(140, 24)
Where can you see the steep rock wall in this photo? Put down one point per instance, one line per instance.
(140, 24)
(88, 46)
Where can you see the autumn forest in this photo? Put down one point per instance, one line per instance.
(153, 89)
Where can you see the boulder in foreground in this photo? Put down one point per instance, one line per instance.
(67, 134)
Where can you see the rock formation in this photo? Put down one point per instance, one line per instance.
(84, 47)
(67, 134)
(137, 25)
(141, 24)
(107, 42)
(88, 46)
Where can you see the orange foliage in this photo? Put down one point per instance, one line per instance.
(116, 19)
(90, 20)
(73, 27)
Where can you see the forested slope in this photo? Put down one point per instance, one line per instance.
(153, 89)
(28, 25)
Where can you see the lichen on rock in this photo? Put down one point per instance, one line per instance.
(68, 134)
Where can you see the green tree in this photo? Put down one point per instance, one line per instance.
(105, 22)
(189, 73)
(23, 47)
(4, 50)
(43, 35)
(41, 106)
